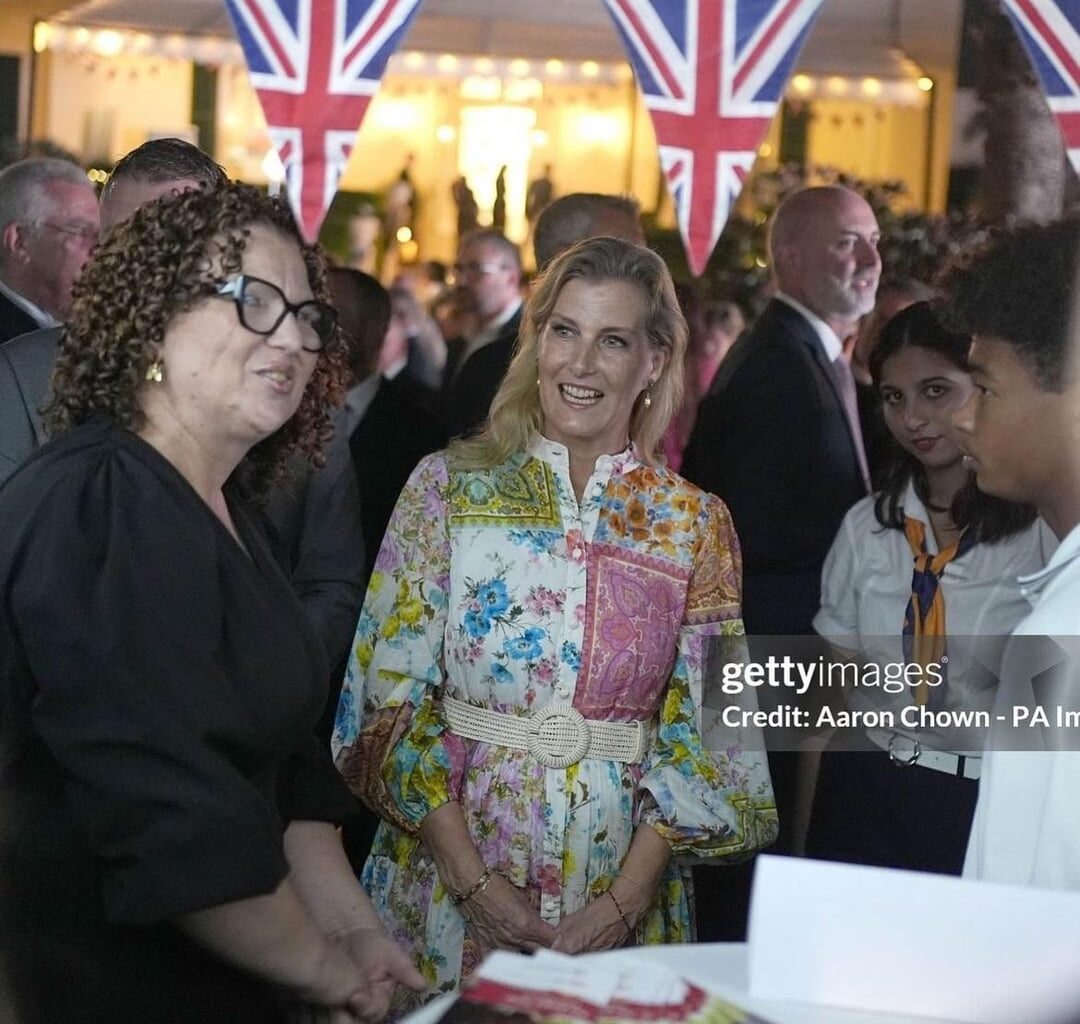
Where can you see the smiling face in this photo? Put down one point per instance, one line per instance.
(224, 385)
(920, 390)
(595, 359)
(826, 255)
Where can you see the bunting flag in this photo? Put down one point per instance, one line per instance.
(315, 64)
(712, 73)
(1050, 32)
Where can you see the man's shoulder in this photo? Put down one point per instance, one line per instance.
(14, 320)
(32, 353)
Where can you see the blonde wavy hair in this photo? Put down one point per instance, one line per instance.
(516, 417)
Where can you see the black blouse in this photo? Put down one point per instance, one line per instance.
(159, 687)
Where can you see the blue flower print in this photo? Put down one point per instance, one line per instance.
(493, 598)
(571, 655)
(527, 646)
(476, 622)
(344, 720)
(500, 673)
(539, 542)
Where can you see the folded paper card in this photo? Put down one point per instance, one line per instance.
(908, 942)
(511, 989)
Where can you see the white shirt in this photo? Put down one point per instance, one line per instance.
(40, 317)
(866, 586)
(489, 332)
(830, 343)
(1027, 822)
(357, 400)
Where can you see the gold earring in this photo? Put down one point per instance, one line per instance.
(153, 372)
(648, 394)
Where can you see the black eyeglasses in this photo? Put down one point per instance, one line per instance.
(262, 306)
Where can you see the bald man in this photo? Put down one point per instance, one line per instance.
(778, 438)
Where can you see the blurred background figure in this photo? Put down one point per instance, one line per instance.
(425, 346)
(580, 215)
(487, 278)
(498, 209)
(389, 419)
(538, 198)
(713, 326)
(468, 213)
(49, 222)
(723, 322)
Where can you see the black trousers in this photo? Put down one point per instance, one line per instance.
(868, 810)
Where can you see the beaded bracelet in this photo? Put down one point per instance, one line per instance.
(457, 898)
(629, 930)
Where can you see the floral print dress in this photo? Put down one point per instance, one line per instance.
(498, 588)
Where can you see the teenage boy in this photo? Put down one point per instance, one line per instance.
(1021, 433)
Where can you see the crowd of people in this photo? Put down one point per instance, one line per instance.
(348, 633)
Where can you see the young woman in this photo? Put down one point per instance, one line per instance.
(924, 571)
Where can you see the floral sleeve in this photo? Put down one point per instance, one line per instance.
(706, 802)
(390, 742)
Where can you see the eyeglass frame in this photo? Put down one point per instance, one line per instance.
(233, 288)
(476, 268)
(84, 233)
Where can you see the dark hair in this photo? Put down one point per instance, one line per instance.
(364, 310)
(161, 262)
(167, 160)
(988, 518)
(1018, 288)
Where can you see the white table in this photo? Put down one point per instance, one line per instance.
(721, 968)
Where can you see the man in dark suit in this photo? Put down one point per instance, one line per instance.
(48, 225)
(387, 424)
(778, 437)
(488, 277)
(389, 420)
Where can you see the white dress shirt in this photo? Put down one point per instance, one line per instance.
(832, 346)
(866, 586)
(1027, 822)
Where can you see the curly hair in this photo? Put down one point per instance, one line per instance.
(516, 416)
(159, 263)
(1019, 287)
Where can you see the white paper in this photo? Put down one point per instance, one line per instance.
(633, 979)
(907, 942)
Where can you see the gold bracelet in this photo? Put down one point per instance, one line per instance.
(629, 930)
(635, 881)
(457, 898)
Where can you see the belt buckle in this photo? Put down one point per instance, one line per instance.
(899, 761)
(553, 746)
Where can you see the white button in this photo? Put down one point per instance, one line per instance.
(577, 552)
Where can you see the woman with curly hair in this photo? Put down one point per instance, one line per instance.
(523, 706)
(169, 852)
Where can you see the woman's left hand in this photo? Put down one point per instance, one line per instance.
(595, 926)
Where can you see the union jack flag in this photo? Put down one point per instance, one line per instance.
(1050, 32)
(315, 65)
(712, 73)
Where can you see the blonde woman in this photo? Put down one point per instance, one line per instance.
(523, 704)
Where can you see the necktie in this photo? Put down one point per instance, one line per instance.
(845, 384)
(924, 618)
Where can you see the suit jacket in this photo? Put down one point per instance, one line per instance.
(13, 320)
(773, 441)
(398, 429)
(468, 399)
(26, 364)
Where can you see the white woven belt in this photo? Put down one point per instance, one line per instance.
(557, 735)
